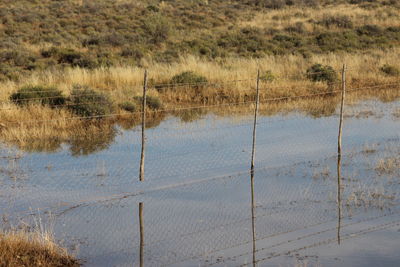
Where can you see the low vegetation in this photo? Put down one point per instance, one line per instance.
(38, 95)
(390, 70)
(31, 249)
(64, 59)
(38, 35)
(86, 102)
(388, 166)
(118, 90)
(320, 73)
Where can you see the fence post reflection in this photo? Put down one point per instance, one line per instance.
(255, 119)
(141, 228)
(253, 216)
(339, 198)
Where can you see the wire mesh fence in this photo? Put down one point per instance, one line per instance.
(200, 203)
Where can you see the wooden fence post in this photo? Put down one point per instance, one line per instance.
(339, 179)
(142, 155)
(342, 109)
(253, 151)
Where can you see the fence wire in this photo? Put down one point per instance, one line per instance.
(200, 203)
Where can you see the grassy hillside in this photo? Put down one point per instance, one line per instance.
(37, 35)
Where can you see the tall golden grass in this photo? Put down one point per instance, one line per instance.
(125, 81)
(122, 83)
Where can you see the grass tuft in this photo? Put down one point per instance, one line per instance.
(20, 248)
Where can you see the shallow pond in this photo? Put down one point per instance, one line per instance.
(199, 203)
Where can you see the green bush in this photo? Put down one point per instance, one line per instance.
(71, 57)
(390, 70)
(86, 102)
(157, 27)
(128, 106)
(321, 73)
(38, 94)
(188, 77)
(153, 102)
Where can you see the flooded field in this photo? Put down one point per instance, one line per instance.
(201, 205)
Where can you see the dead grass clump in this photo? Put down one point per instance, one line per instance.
(387, 166)
(396, 113)
(31, 250)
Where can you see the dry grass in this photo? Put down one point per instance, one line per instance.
(280, 19)
(19, 248)
(53, 126)
(124, 81)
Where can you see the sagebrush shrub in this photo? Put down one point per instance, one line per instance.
(153, 102)
(86, 102)
(128, 106)
(38, 94)
(321, 73)
(390, 70)
(188, 77)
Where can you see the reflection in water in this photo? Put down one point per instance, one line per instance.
(339, 199)
(190, 115)
(99, 134)
(94, 137)
(92, 141)
(253, 217)
(141, 228)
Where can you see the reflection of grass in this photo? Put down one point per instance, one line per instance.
(20, 248)
(53, 128)
(42, 128)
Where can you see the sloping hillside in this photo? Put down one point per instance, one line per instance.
(36, 35)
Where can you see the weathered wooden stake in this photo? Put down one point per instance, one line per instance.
(142, 155)
(342, 109)
(141, 226)
(253, 151)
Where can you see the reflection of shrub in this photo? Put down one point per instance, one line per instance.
(38, 94)
(188, 77)
(390, 70)
(86, 102)
(321, 73)
(128, 106)
(153, 102)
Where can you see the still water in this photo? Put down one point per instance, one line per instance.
(199, 204)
